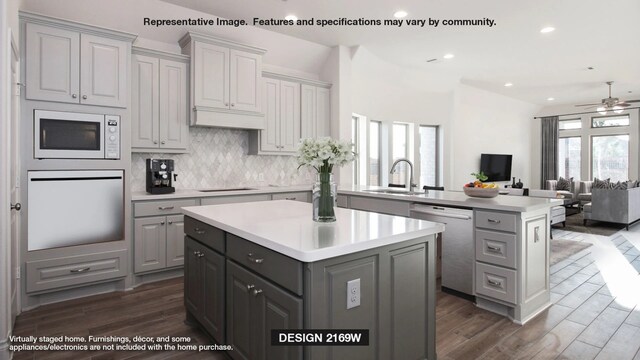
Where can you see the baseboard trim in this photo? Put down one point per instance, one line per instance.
(5, 354)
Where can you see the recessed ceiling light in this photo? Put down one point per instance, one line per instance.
(550, 99)
(508, 84)
(400, 14)
(548, 29)
(449, 56)
(291, 18)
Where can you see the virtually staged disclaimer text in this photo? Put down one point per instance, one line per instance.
(109, 343)
(430, 22)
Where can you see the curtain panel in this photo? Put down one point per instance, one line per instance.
(549, 149)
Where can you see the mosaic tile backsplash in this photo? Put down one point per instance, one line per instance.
(218, 158)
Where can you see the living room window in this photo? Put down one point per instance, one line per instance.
(570, 124)
(610, 157)
(569, 155)
(429, 169)
(609, 121)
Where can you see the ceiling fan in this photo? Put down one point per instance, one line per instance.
(611, 103)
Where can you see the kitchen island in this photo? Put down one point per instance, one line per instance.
(255, 267)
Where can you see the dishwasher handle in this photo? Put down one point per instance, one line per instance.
(442, 214)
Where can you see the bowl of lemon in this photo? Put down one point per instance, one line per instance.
(480, 189)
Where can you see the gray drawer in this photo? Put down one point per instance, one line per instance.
(392, 207)
(153, 208)
(204, 233)
(75, 270)
(493, 220)
(496, 282)
(496, 248)
(272, 265)
(296, 196)
(235, 199)
(343, 201)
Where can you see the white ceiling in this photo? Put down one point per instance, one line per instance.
(588, 33)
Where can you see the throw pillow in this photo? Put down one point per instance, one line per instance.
(620, 185)
(601, 184)
(564, 184)
(633, 184)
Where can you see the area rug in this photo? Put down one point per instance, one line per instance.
(562, 249)
(575, 223)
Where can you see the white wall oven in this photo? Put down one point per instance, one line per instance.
(75, 207)
(69, 135)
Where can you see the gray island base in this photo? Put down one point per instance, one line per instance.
(254, 267)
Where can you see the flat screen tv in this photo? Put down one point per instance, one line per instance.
(496, 166)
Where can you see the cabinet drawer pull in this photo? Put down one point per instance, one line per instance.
(196, 253)
(75, 271)
(493, 221)
(254, 260)
(200, 255)
(198, 231)
(256, 292)
(536, 234)
(494, 249)
(494, 283)
(250, 286)
(165, 207)
(291, 198)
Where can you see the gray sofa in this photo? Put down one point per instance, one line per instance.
(615, 206)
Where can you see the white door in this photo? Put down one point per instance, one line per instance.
(289, 116)
(53, 69)
(323, 112)
(103, 71)
(145, 105)
(14, 182)
(307, 111)
(270, 135)
(174, 128)
(245, 76)
(211, 86)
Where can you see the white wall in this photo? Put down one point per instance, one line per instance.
(486, 122)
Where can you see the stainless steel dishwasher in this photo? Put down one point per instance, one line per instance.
(457, 244)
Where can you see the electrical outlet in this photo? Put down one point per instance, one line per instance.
(353, 293)
(261, 177)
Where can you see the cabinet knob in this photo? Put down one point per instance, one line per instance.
(16, 207)
(256, 292)
(84, 97)
(196, 253)
(170, 222)
(155, 142)
(200, 254)
(253, 259)
(163, 142)
(250, 286)
(161, 222)
(232, 104)
(226, 104)
(74, 96)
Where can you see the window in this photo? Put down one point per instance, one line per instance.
(570, 124)
(400, 151)
(374, 152)
(354, 139)
(609, 121)
(610, 157)
(429, 155)
(569, 157)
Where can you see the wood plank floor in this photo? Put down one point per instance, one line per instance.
(595, 315)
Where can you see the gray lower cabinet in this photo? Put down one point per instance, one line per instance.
(397, 285)
(204, 287)
(159, 242)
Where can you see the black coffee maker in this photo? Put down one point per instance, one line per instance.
(159, 173)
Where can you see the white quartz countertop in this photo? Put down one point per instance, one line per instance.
(286, 227)
(196, 193)
(458, 199)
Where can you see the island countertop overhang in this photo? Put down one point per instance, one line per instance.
(286, 227)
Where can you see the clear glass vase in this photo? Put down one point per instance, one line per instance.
(324, 198)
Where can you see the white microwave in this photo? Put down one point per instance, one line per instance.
(68, 135)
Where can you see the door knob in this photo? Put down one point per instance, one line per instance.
(16, 207)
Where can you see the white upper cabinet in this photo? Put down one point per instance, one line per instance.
(315, 111)
(289, 116)
(270, 136)
(159, 102)
(52, 67)
(226, 80)
(75, 63)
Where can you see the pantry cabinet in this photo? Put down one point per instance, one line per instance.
(159, 102)
(74, 63)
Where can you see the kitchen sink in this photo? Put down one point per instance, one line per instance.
(395, 191)
(227, 189)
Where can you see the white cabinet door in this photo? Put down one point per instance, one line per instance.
(174, 129)
(308, 111)
(211, 85)
(103, 71)
(175, 240)
(323, 112)
(52, 69)
(145, 130)
(270, 136)
(245, 75)
(150, 247)
(289, 116)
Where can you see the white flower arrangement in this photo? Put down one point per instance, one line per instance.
(323, 153)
